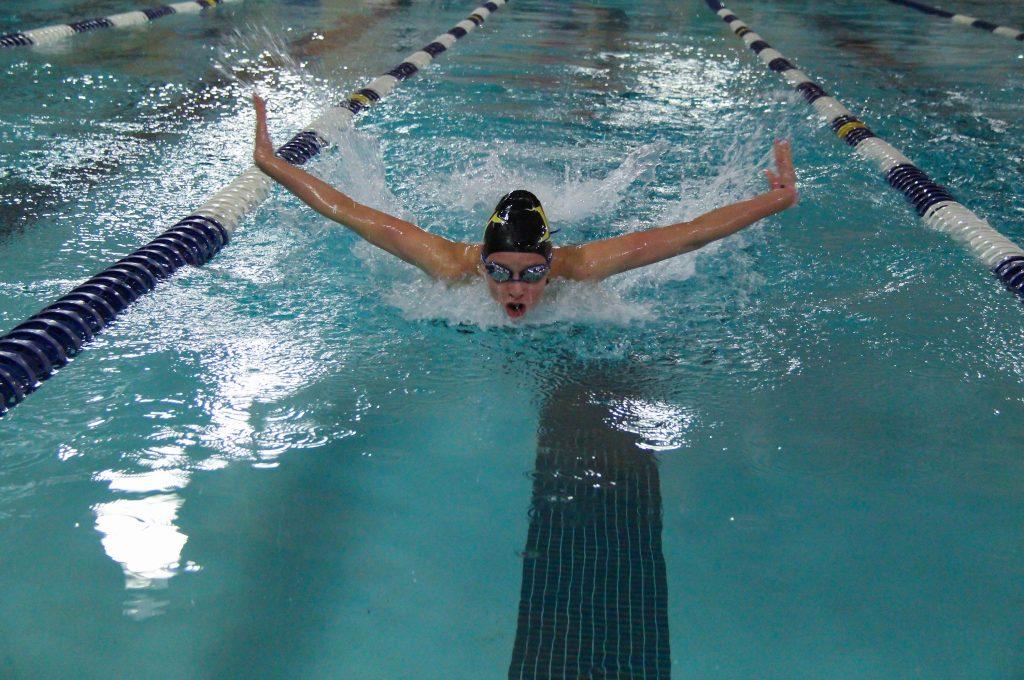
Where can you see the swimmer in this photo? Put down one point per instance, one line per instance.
(517, 258)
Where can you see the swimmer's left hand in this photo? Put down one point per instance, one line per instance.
(783, 179)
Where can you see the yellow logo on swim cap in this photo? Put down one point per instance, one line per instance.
(546, 236)
(495, 219)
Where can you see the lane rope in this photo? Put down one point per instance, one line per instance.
(37, 347)
(963, 19)
(58, 32)
(934, 204)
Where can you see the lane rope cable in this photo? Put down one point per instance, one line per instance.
(963, 19)
(52, 34)
(934, 204)
(37, 347)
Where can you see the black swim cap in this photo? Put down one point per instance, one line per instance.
(518, 225)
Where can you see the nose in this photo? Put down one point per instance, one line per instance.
(516, 288)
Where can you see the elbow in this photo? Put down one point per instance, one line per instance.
(696, 238)
(263, 164)
(269, 164)
(695, 244)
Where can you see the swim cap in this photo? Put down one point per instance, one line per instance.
(518, 225)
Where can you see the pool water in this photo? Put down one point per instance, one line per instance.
(306, 460)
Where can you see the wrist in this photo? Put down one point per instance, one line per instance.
(782, 198)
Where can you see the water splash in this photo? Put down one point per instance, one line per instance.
(356, 166)
(556, 175)
(254, 54)
(471, 304)
(256, 58)
(571, 195)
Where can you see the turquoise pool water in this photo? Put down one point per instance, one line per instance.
(304, 460)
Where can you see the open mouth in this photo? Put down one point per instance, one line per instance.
(515, 309)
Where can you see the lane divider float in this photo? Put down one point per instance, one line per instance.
(933, 202)
(52, 34)
(963, 19)
(32, 351)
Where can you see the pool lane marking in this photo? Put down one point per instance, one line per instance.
(933, 202)
(34, 349)
(963, 19)
(603, 609)
(52, 34)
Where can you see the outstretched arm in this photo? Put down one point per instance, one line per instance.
(437, 256)
(599, 259)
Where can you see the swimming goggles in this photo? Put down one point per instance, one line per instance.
(502, 274)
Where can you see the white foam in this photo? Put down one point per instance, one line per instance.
(471, 304)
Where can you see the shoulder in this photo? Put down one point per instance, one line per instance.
(463, 261)
(569, 262)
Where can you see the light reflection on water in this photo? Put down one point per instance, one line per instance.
(660, 426)
(140, 534)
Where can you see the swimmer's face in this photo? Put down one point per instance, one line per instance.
(516, 297)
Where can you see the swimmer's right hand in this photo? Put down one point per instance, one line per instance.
(263, 149)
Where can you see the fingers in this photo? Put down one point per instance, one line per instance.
(263, 145)
(783, 177)
(783, 155)
(784, 161)
(260, 104)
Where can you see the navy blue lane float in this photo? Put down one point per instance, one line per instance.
(963, 19)
(933, 202)
(34, 349)
(51, 34)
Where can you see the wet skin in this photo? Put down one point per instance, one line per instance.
(515, 297)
